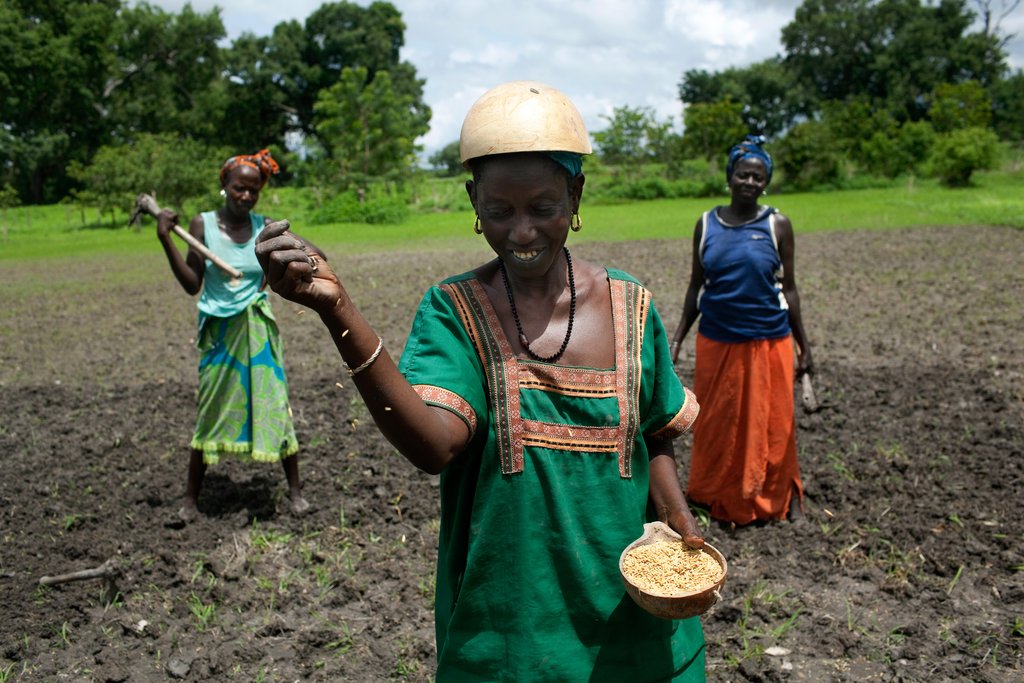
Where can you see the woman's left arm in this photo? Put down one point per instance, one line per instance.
(784, 233)
(667, 493)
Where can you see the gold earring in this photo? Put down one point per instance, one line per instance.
(576, 223)
(476, 225)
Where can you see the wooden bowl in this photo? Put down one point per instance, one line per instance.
(674, 606)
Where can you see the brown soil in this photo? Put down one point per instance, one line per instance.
(906, 567)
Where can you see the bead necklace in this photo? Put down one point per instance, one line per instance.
(519, 326)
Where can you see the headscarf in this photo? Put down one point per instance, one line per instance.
(261, 161)
(570, 161)
(750, 147)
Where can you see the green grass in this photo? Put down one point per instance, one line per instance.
(62, 231)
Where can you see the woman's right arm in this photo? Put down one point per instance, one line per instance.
(188, 270)
(429, 437)
(690, 310)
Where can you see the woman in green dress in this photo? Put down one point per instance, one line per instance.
(541, 388)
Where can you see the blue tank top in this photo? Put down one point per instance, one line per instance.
(220, 298)
(742, 298)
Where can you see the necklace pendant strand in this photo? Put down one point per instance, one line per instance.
(523, 340)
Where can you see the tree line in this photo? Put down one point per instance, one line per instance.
(83, 81)
(99, 99)
(865, 89)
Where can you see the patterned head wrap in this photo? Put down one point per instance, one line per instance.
(749, 148)
(261, 161)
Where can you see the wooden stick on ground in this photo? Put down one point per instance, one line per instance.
(107, 571)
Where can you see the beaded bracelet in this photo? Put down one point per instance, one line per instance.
(352, 372)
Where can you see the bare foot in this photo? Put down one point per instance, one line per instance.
(796, 509)
(189, 512)
(299, 504)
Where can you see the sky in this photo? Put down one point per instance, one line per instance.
(603, 54)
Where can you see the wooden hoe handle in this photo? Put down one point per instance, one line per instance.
(145, 203)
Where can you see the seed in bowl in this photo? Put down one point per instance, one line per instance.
(670, 568)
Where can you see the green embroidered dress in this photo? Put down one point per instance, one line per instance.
(554, 485)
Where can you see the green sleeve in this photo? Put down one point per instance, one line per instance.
(669, 408)
(439, 360)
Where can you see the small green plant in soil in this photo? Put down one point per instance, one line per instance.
(204, 613)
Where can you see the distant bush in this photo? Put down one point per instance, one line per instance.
(807, 158)
(677, 179)
(905, 152)
(430, 195)
(957, 154)
(170, 168)
(380, 204)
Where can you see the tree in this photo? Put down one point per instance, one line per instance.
(53, 60)
(170, 168)
(992, 18)
(79, 75)
(712, 128)
(1008, 107)
(806, 157)
(890, 154)
(344, 35)
(890, 51)
(853, 123)
(447, 160)
(766, 90)
(166, 75)
(260, 73)
(633, 136)
(370, 127)
(963, 105)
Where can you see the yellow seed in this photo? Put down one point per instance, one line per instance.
(670, 568)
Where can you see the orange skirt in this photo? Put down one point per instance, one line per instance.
(744, 465)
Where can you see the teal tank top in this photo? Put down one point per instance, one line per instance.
(220, 297)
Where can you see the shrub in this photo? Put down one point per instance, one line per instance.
(171, 168)
(697, 177)
(961, 105)
(904, 152)
(440, 194)
(379, 204)
(957, 154)
(807, 157)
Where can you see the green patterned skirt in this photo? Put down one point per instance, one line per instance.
(243, 405)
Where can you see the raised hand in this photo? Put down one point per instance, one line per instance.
(295, 270)
(165, 222)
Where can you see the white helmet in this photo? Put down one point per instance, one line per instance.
(522, 116)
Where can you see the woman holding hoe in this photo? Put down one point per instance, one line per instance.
(743, 287)
(540, 387)
(243, 405)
